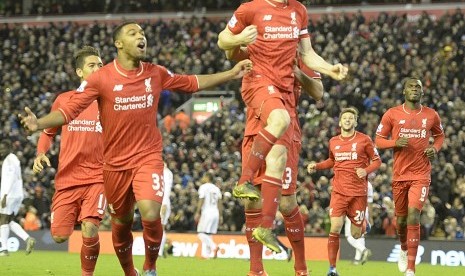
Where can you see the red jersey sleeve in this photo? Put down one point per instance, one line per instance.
(242, 18)
(437, 126)
(87, 92)
(385, 127)
(184, 83)
(437, 132)
(304, 23)
(328, 163)
(47, 135)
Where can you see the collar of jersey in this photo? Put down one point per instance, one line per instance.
(406, 110)
(126, 73)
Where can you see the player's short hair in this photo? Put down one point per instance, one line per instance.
(404, 82)
(209, 176)
(117, 30)
(81, 54)
(351, 109)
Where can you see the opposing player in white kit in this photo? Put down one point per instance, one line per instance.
(361, 252)
(11, 197)
(165, 210)
(209, 214)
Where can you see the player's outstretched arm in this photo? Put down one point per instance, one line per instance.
(237, 72)
(317, 63)
(31, 123)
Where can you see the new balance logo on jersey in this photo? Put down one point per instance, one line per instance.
(401, 122)
(394, 255)
(118, 87)
(337, 147)
(267, 17)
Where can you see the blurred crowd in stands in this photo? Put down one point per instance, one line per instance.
(36, 62)
(57, 7)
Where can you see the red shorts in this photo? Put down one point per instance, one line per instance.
(73, 205)
(262, 97)
(292, 169)
(293, 152)
(354, 207)
(124, 188)
(409, 194)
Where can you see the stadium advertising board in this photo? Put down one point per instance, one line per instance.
(189, 245)
(43, 238)
(445, 253)
(203, 108)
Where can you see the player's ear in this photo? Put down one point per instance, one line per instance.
(79, 72)
(118, 44)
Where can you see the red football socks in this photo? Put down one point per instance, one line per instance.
(413, 240)
(402, 233)
(295, 233)
(253, 218)
(262, 144)
(152, 234)
(122, 243)
(271, 190)
(333, 248)
(89, 254)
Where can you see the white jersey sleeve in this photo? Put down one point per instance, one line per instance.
(12, 181)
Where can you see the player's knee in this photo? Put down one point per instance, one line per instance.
(60, 239)
(357, 234)
(278, 157)
(278, 121)
(287, 205)
(89, 229)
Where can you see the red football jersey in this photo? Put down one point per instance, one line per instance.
(347, 154)
(128, 103)
(81, 146)
(280, 27)
(411, 163)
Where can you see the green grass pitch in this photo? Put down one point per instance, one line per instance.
(65, 264)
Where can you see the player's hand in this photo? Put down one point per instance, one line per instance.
(311, 168)
(4, 202)
(402, 142)
(29, 121)
(248, 35)
(196, 218)
(38, 166)
(361, 173)
(431, 153)
(241, 68)
(339, 71)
